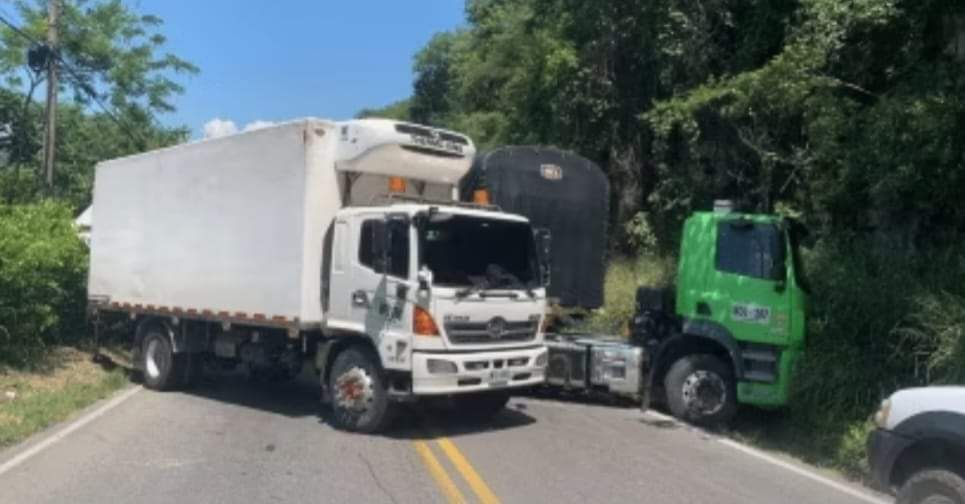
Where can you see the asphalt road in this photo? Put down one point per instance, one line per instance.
(233, 442)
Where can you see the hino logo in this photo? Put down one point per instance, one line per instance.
(496, 327)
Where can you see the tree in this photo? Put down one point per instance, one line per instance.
(857, 122)
(118, 76)
(399, 111)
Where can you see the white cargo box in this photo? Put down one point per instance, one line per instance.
(233, 227)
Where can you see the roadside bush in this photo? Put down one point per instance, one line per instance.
(936, 331)
(623, 276)
(877, 322)
(42, 276)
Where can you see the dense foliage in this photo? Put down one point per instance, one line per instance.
(43, 269)
(115, 76)
(848, 115)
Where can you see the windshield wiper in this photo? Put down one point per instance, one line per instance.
(478, 284)
(496, 274)
(515, 282)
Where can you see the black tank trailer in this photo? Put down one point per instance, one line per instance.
(566, 197)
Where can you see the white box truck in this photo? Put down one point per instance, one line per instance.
(341, 243)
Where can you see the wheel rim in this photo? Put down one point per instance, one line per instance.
(704, 392)
(354, 390)
(155, 359)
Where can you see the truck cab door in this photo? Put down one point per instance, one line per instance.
(750, 295)
(376, 281)
(337, 300)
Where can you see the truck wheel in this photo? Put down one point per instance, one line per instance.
(481, 406)
(701, 390)
(160, 365)
(360, 402)
(933, 486)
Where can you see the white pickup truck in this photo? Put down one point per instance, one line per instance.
(339, 243)
(918, 448)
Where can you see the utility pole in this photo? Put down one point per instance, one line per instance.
(50, 137)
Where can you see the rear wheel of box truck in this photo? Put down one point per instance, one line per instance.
(161, 367)
(360, 400)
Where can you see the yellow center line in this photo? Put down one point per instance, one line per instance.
(449, 489)
(479, 487)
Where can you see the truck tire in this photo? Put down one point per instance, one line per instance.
(701, 390)
(360, 400)
(933, 486)
(161, 367)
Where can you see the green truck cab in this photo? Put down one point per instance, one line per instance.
(733, 326)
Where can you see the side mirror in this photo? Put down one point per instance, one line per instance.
(425, 277)
(544, 240)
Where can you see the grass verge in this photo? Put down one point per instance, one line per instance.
(67, 381)
(838, 446)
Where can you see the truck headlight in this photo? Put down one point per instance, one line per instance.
(439, 366)
(881, 416)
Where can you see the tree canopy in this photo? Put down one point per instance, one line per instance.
(115, 77)
(849, 114)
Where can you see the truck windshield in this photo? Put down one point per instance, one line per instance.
(465, 251)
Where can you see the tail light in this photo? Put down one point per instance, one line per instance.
(422, 323)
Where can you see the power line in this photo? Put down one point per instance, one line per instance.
(18, 31)
(78, 81)
(93, 96)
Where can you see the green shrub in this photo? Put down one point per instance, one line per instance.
(877, 322)
(935, 331)
(623, 276)
(42, 276)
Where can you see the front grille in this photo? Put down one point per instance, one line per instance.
(463, 333)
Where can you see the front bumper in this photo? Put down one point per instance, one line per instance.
(478, 371)
(884, 448)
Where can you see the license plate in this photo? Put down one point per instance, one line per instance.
(751, 313)
(500, 378)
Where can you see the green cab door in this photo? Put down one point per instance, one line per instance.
(748, 289)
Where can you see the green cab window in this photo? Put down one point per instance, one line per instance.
(750, 249)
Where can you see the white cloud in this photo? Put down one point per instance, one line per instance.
(217, 128)
(258, 124)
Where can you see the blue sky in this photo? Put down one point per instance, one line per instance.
(275, 60)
